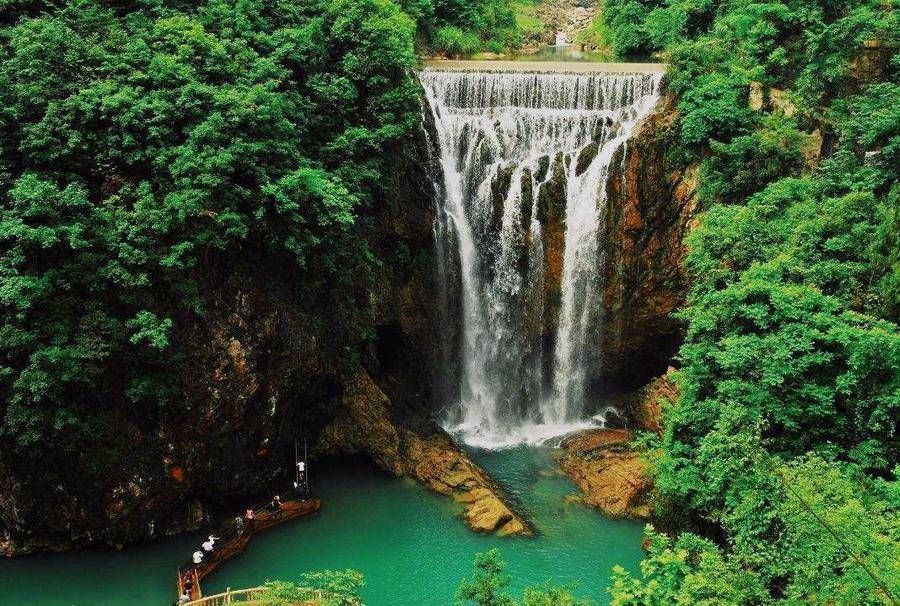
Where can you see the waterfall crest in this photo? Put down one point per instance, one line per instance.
(524, 161)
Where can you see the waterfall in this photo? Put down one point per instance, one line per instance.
(524, 159)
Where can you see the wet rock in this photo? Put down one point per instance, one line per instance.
(363, 426)
(610, 475)
(613, 419)
(499, 191)
(651, 205)
(647, 409)
(551, 213)
(585, 157)
(543, 166)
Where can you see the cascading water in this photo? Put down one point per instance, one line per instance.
(524, 161)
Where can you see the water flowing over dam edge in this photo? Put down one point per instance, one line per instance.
(551, 67)
(523, 158)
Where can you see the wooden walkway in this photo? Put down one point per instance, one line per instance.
(232, 545)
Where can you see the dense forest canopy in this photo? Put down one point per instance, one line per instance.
(786, 425)
(141, 141)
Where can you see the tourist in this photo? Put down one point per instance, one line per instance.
(198, 557)
(276, 506)
(209, 544)
(250, 519)
(239, 525)
(185, 597)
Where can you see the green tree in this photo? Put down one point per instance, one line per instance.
(336, 588)
(147, 146)
(488, 584)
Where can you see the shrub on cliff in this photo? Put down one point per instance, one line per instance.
(785, 428)
(142, 142)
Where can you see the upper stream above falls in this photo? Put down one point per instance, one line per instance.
(522, 160)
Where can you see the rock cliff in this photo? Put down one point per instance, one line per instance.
(609, 472)
(363, 426)
(651, 204)
(256, 366)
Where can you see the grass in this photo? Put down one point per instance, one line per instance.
(597, 34)
(527, 20)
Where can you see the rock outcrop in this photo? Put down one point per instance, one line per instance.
(651, 205)
(256, 368)
(611, 476)
(363, 426)
(646, 407)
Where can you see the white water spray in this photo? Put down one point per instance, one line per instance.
(513, 148)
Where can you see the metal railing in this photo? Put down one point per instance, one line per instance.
(253, 595)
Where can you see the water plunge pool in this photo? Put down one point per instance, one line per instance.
(404, 539)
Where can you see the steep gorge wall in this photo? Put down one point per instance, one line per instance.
(254, 375)
(652, 202)
(253, 367)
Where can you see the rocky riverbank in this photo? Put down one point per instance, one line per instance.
(609, 472)
(611, 476)
(363, 426)
(569, 17)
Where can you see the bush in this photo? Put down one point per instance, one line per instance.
(453, 41)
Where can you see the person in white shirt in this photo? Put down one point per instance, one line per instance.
(207, 546)
(198, 556)
(185, 597)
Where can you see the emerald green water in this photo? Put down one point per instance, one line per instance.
(407, 542)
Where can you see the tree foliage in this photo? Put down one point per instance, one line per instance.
(336, 588)
(790, 371)
(488, 587)
(140, 142)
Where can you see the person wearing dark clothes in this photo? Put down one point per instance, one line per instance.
(276, 506)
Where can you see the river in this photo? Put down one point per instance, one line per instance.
(407, 542)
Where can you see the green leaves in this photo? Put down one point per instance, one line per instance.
(792, 348)
(150, 329)
(140, 145)
(488, 585)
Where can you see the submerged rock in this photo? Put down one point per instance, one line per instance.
(363, 426)
(611, 476)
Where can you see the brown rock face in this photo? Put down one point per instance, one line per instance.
(650, 207)
(551, 212)
(260, 365)
(610, 475)
(363, 426)
(648, 408)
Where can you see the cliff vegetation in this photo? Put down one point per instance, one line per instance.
(776, 468)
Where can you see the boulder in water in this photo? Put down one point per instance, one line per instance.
(364, 426)
(611, 476)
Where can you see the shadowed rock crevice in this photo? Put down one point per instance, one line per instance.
(363, 426)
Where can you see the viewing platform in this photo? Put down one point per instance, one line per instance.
(234, 542)
(570, 67)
